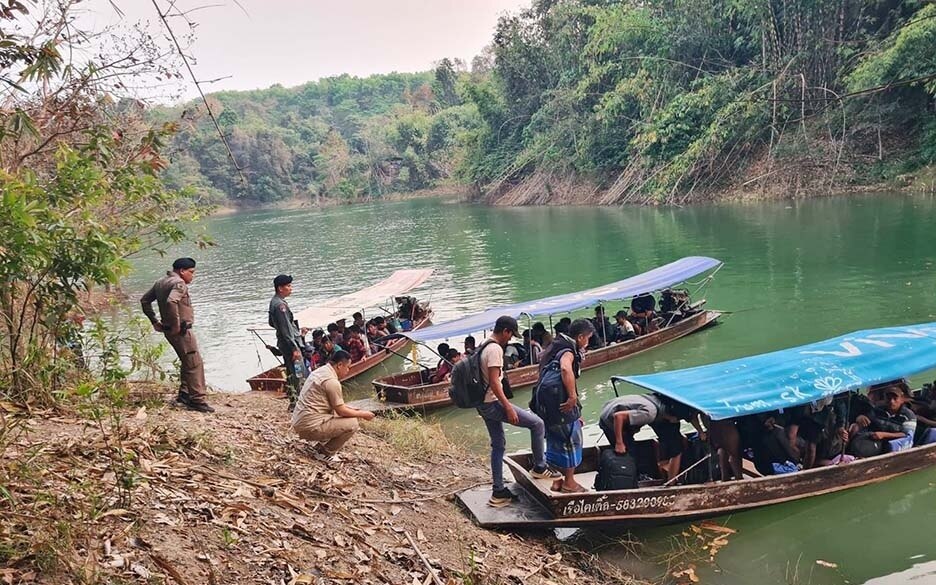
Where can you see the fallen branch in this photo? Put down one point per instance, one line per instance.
(166, 566)
(422, 557)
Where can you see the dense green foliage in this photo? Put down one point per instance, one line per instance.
(341, 137)
(650, 100)
(79, 193)
(657, 98)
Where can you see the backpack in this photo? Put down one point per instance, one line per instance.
(468, 387)
(703, 472)
(616, 472)
(550, 392)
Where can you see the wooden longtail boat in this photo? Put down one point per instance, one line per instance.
(409, 389)
(274, 379)
(413, 390)
(655, 504)
(753, 385)
(398, 283)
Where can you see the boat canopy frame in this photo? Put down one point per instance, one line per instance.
(677, 272)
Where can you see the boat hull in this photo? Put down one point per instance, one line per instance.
(274, 379)
(408, 388)
(662, 505)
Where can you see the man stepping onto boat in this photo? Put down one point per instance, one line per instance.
(497, 409)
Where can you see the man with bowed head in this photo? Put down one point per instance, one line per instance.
(176, 319)
(321, 414)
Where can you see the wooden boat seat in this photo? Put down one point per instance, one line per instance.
(587, 479)
(748, 469)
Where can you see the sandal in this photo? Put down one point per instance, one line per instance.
(556, 485)
(579, 490)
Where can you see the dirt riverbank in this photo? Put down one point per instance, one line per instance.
(160, 494)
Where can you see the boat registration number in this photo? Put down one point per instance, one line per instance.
(606, 504)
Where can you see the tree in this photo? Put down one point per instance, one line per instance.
(444, 85)
(80, 187)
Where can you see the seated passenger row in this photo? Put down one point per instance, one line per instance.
(835, 430)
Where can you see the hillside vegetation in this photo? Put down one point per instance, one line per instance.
(605, 101)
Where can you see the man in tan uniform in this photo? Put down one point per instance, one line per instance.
(321, 413)
(176, 318)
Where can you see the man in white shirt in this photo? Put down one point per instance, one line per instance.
(497, 409)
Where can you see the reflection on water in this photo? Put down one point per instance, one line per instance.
(795, 272)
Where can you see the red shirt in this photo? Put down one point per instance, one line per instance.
(355, 347)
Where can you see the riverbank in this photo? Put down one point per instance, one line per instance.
(448, 192)
(164, 495)
(801, 178)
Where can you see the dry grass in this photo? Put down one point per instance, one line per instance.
(411, 436)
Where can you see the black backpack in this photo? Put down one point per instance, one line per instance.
(616, 472)
(549, 393)
(468, 387)
(703, 472)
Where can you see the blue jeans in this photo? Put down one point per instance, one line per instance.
(494, 418)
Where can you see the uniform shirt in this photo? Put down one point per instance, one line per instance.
(281, 319)
(319, 397)
(492, 355)
(175, 306)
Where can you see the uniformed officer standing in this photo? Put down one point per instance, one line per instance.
(288, 337)
(176, 318)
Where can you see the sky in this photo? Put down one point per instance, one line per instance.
(259, 43)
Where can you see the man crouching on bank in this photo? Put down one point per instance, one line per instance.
(321, 413)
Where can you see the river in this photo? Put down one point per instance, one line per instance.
(795, 272)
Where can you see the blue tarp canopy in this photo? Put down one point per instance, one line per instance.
(791, 377)
(656, 279)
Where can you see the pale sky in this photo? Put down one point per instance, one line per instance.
(294, 41)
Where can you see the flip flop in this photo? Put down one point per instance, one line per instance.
(579, 490)
(556, 485)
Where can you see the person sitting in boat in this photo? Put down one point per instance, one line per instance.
(383, 328)
(441, 350)
(541, 336)
(334, 334)
(342, 325)
(563, 326)
(470, 345)
(514, 356)
(354, 345)
(769, 443)
(642, 314)
(358, 319)
(623, 416)
(603, 329)
(889, 428)
(321, 414)
(623, 329)
(444, 370)
(312, 349)
(532, 347)
(923, 405)
(821, 428)
(326, 350)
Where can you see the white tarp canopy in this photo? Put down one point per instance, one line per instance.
(398, 283)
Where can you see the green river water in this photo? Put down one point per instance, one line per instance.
(794, 272)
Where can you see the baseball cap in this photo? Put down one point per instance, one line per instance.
(509, 323)
(282, 279)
